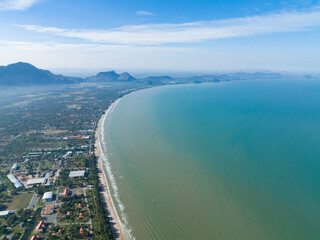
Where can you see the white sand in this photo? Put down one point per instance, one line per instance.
(105, 191)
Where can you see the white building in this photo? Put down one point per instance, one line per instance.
(14, 167)
(35, 181)
(47, 197)
(4, 213)
(77, 173)
(15, 181)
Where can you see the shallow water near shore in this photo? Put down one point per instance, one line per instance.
(237, 160)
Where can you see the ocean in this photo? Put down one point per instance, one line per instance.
(236, 160)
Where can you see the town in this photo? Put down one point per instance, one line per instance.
(50, 199)
(49, 180)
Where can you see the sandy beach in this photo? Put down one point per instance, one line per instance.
(105, 191)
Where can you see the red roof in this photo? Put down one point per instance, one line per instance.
(66, 192)
(41, 226)
(47, 212)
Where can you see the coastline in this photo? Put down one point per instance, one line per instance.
(118, 228)
(113, 216)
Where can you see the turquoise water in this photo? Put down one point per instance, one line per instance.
(237, 160)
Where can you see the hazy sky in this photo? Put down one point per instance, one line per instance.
(168, 35)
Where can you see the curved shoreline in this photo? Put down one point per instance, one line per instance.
(117, 227)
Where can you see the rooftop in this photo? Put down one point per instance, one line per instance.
(15, 181)
(48, 195)
(36, 181)
(4, 213)
(77, 173)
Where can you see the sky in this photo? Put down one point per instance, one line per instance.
(162, 35)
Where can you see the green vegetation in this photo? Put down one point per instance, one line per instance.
(71, 205)
(70, 232)
(21, 200)
(31, 223)
(52, 129)
(100, 220)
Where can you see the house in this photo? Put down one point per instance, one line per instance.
(41, 226)
(80, 205)
(50, 207)
(66, 192)
(81, 215)
(49, 210)
(81, 230)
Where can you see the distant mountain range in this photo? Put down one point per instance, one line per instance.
(111, 76)
(24, 74)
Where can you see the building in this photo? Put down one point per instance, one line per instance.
(66, 192)
(15, 181)
(77, 173)
(47, 197)
(14, 167)
(34, 238)
(35, 181)
(41, 226)
(4, 213)
(49, 210)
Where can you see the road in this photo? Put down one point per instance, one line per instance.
(33, 202)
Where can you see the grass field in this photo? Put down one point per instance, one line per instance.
(19, 201)
(46, 165)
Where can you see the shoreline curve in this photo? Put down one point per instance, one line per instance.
(116, 224)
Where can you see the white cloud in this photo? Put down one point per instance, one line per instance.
(54, 46)
(6, 5)
(193, 32)
(145, 13)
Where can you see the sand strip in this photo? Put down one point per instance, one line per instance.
(105, 190)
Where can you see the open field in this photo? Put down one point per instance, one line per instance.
(19, 201)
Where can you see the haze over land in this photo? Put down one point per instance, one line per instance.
(25, 74)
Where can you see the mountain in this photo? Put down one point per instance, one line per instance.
(110, 76)
(126, 77)
(21, 74)
(24, 74)
(104, 76)
(161, 80)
